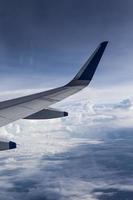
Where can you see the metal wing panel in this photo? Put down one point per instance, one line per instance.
(47, 114)
(22, 110)
(68, 91)
(23, 107)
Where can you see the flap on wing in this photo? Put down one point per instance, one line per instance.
(47, 114)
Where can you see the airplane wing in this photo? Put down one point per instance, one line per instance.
(36, 106)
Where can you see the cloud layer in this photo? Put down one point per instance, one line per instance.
(85, 156)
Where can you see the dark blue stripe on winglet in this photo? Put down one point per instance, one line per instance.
(91, 65)
(12, 145)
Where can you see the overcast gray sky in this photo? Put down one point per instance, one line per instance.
(44, 42)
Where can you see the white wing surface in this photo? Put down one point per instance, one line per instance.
(36, 106)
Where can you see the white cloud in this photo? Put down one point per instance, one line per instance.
(55, 157)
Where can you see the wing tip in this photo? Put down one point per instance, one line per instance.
(86, 73)
(104, 43)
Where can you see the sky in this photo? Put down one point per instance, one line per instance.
(44, 43)
(87, 155)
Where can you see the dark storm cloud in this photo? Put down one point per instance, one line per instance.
(55, 37)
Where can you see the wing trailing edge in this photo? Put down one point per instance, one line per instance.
(47, 114)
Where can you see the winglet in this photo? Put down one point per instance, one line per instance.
(86, 73)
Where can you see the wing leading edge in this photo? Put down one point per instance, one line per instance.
(24, 107)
